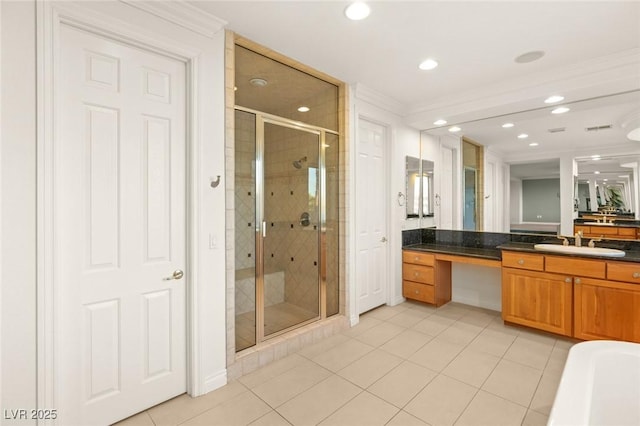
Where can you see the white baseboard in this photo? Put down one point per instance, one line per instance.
(215, 381)
(354, 320)
(398, 300)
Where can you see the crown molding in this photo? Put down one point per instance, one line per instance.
(181, 13)
(617, 72)
(380, 100)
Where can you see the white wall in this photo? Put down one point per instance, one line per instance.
(18, 179)
(403, 141)
(476, 285)
(18, 232)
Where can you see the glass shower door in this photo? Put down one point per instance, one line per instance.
(289, 241)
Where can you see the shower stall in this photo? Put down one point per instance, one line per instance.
(286, 225)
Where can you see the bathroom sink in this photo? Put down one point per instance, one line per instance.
(583, 251)
(599, 223)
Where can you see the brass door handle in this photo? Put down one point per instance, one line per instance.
(177, 274)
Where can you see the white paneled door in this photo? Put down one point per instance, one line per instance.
(371, 216)
(119, 197)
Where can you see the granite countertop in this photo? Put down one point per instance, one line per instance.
(618, 224)
(630, 255)
(480, 252)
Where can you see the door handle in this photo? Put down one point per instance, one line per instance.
(177, 274)
(383, 240)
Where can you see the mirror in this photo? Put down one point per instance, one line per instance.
(564, 142)
(419, 188)
(607, 185)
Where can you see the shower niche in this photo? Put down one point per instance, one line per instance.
(286, 215)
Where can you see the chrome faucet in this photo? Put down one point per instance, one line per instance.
(578, 238)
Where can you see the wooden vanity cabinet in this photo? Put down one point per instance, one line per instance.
(617, 232)
(609, 309)
(534, 298)
(424, 278)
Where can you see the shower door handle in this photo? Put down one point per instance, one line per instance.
(264, 229)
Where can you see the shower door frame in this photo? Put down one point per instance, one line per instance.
(262, 118)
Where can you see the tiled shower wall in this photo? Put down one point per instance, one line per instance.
(337, 237)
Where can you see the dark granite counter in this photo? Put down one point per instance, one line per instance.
(489, 245)
(479, 252)
(618, 223)
(631, 255)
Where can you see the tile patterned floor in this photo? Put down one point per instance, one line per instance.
(406, 365)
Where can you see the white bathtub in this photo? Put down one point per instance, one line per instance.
(600, 385)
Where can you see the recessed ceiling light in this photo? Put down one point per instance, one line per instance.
(605, 180)
(529, 57)
(534, 144)
(303, 109)
(523, 136)
(560, 110)
(507, 125)
(357, 11)
(259, 82)
(428, 64)
(440, 122)
(553, 99)
(454, 129)
(596, 172)
(623, 176)
(594, 156)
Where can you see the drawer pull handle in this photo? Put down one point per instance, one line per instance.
(417, 274)
(417, 258)
(636, 275)
(578, 281)
(520, 261)
(417, 292)
(567, 280)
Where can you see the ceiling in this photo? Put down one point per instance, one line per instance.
(474, 42)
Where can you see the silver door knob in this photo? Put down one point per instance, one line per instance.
(383, 240)
(177, 274)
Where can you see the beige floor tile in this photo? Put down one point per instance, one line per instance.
(472, 367)
(380, 334)
(436, 354)
(492, 341)
(545, 393)
(179, 409)
(366, 370)
(402, 383)
(363, 410)
(342, 355)
(433, 325)
(365, 323)
(499, 325)
(272, 370)
(557, 360)
(461, 333)
(383, 313)
(481, 318)
(240, 410)
(406, 343)
(488, 409)
(407, 318)
(442, 401)
(535, 419)
(528, 351)
(272, 418)
(317, 403)
(514, 382)
(282, 388)
(322, 346)
(140, 419)
(405, 419)
(422, 308)
(453, 311)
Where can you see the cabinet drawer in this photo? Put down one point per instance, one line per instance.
(533, 262)
(604, 230)
(418, 258)
(418, 273)
(585, 229)
(417, 291)
(629, 233)
(575, 266)
(623, 271)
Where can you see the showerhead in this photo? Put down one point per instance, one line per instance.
(298, 163)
